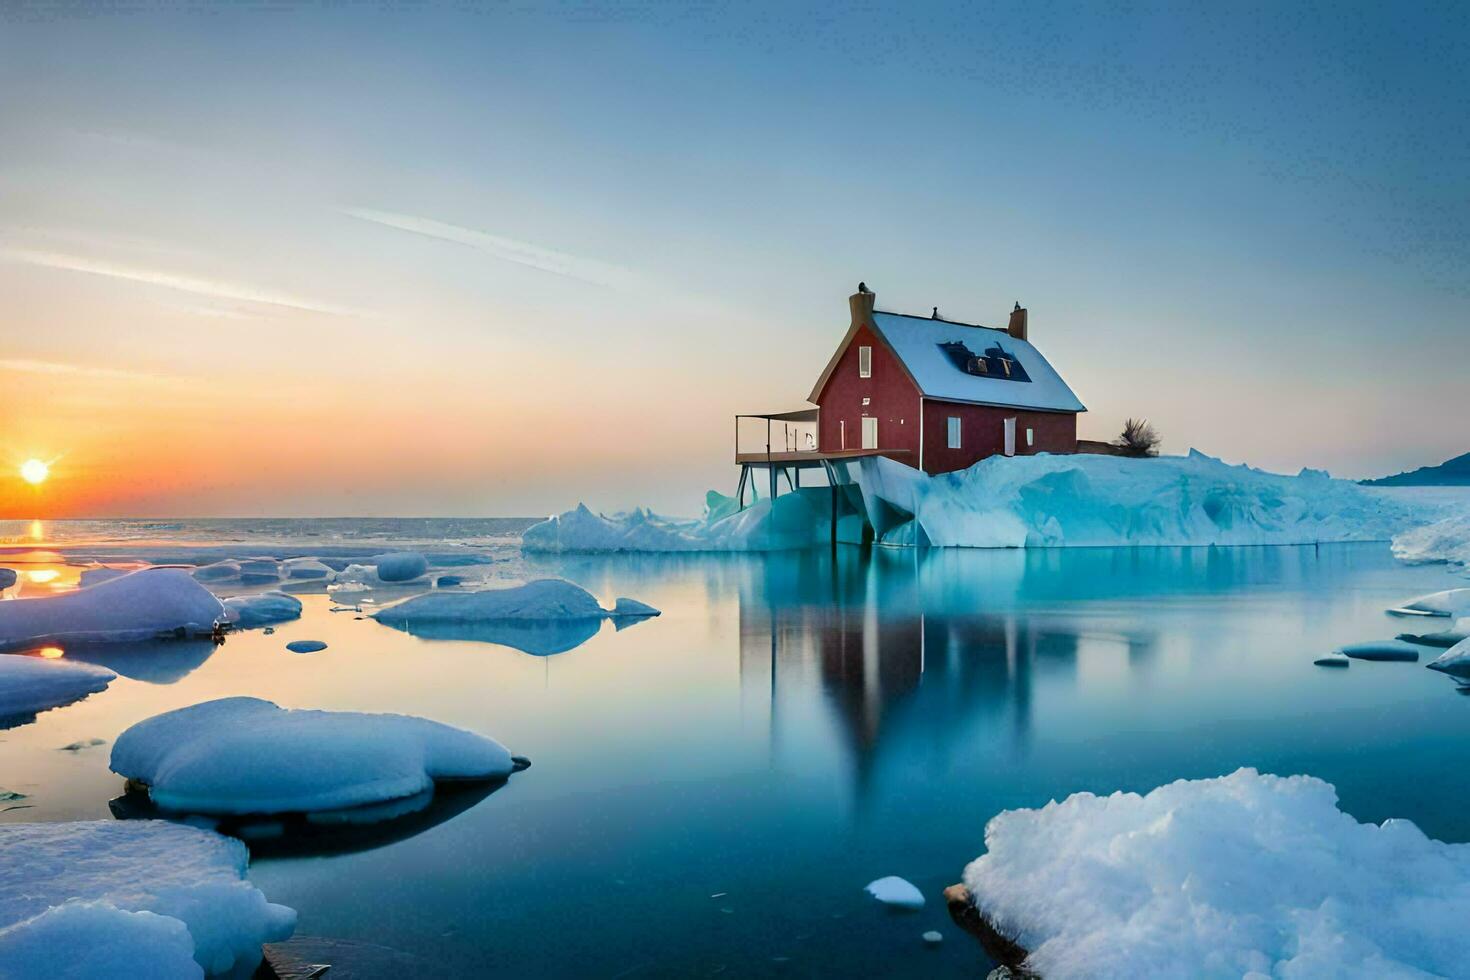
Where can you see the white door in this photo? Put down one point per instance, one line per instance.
(870, 432)
(1010, 437)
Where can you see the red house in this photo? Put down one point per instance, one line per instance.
(932, 393)
(940, 395)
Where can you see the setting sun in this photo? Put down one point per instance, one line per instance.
(34, 471)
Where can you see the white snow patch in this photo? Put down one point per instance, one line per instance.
(1246, 874)
(32, 684)
(245, 755)
(71, 892)
(896, 891)
(137, 606)
(262, 609)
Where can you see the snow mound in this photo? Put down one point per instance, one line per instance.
(896, 892)
(1443, 541)
(262, 609)
(1455, 660)
(244, 755)
(403, 566)
(72, 894)
(543, 600)
(137, 606)
(33, 684)
(1452, 602)
(1020, 502)
(1245, 874)
(632, 607)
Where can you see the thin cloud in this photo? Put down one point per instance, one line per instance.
(94, 372)
(591, 271)
(168, 280)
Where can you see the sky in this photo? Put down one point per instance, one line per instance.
(452, 259)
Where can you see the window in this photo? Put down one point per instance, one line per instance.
(865, 362)
(870, 432)
(866, 401)
(1030, 438)
(954, 432)
(842, 433)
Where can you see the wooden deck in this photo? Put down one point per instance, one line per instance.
(810, 458)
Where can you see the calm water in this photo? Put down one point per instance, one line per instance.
(710, 790)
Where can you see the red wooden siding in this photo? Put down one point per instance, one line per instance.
(894, 401)
(982, 433)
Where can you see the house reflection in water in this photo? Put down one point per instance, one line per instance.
(894, 661)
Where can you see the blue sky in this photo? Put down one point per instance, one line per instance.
(456, 259)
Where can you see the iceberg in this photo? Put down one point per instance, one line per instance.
(1242, 875)
(1381, 650)
(30, 685)
(1441, 638)
(262, 609)
(135, 898)
(1016, 502)
(247, 756)
(623, 606)
(306, 570)
(144, 604)
(1447, 540)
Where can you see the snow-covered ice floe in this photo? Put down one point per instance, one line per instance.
(29, 685)
(1246, 875)
(1455, 660)
(130, 899)
(262, 609)
(1447, 540)
(140, 605)
(1018, 502)
(248, 756)
(542, 617)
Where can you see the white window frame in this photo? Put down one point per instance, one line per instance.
(870, 425)
(842, 433)
(865, 362)
(1030, 436)
(1008, 436)
(952, 433)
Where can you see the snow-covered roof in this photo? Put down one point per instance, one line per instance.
(919, 342)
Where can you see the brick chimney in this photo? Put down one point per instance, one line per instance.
(860, 304)
(1017, 326)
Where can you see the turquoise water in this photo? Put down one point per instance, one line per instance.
(710, 790)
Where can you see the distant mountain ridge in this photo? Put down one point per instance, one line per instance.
(1451, 473)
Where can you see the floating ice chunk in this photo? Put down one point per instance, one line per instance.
(306, 570)
(305, 646)
(262, 609)
(29, 685)
(632, 607)
(139, 605)
(92, 940)
(1455, 660)
(795, 520)
(401, 566)
(7, 578)
(1447, 540)
(544, 600)
(1451, 602)
(245, 755)
(79, 871)
(1332, 660)
(1441, 638)
(1246, 874)
(896, 892)
(260, 570)
(1381, 650)
(448, 581)
(220, 571)
(933, 937)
